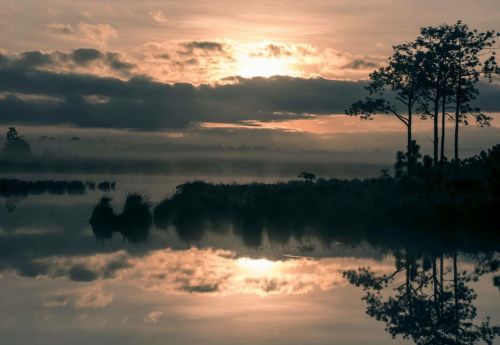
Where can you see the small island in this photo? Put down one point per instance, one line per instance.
(16, 149)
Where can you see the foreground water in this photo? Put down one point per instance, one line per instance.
(60, 285)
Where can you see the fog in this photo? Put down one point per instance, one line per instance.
(330, 150)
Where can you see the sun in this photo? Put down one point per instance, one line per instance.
(262, 67)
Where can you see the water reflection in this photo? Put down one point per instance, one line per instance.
(12, 202)
(193, 221)
(428, 299)
(134, 223)
(207, 275)
(14, 190)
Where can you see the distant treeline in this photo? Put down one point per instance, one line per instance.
(458, 205)
(194, 166)
(11, 187)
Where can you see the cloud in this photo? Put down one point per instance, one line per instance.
(204, 45)
(84, 56)
(143, 104)
(98, 34)
(209, 61)
(217, 59)
(158, 16)
(360, 64)
(93, 88)
(116, 63)
(276, 50)
(60, 28)
(82, 60)
(33, 59)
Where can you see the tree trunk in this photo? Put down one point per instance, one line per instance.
(457, 109)
(408, 290)
(410, 152)
(441, 283)
(443, 129)
(457, 124)
(441, 274)
(436, 131)
(436, 297)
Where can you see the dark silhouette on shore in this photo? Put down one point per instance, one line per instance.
(460, 203)
(134, 223)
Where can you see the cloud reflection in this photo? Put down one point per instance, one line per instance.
(93, 296)
(208, 271)
(153, 317)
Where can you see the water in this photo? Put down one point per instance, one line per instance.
(60, 285)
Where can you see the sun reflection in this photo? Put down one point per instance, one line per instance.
(262, 66)
(256, 266)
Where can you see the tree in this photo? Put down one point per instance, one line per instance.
(452, 67)
(307, 176)
(16, 149)
(472, 57)
(405, 161)
(401, 79)
(436, 80)
(438, 70)
(12, 134)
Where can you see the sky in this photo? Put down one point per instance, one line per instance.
(258, 70)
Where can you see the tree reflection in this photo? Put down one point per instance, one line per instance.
(134, 223)
(428, 298)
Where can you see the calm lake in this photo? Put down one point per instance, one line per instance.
(228, 283)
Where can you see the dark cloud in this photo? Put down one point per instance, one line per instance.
(140, 103)
(84, 56)
(144, 104)
(33, 59)
(208, 288)
(61, 60)
(360, 64)
(274, 50)
(489, 97)
(204, 45)
(116, 62)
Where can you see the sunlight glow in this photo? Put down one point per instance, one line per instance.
(256, 266)
(262, 67)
